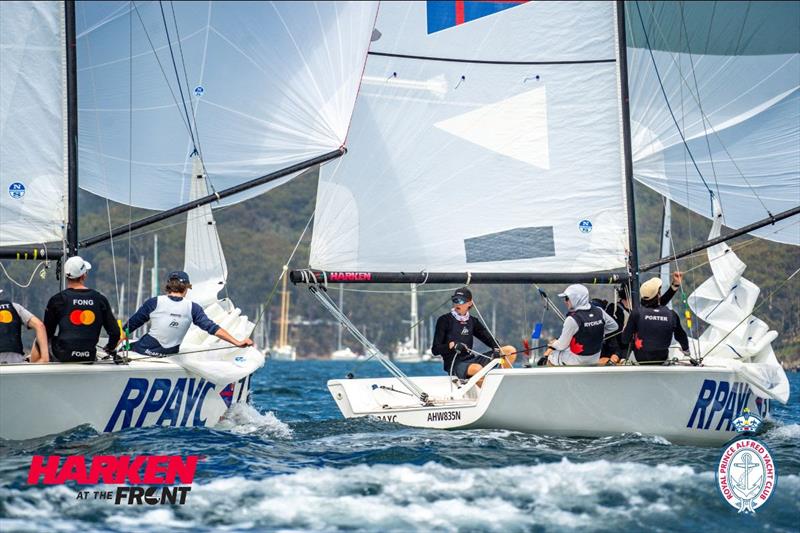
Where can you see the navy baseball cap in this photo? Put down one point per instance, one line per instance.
(180, 275)
(461, 296)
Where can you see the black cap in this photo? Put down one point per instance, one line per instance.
(461, 296)
(180, 275)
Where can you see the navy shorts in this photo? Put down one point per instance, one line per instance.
(462, 364)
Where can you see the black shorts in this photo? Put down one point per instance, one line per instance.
(462, 363)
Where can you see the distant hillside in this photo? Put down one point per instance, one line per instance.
(259, 234)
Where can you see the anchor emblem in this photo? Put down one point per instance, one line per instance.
(747, 487)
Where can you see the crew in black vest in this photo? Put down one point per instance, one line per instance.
(12, 317)
(582, 335)
(454, 336)
(614, 349)
(79, 313)
(652, 326)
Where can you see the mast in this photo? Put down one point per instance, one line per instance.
(666, 240)
(414, 316)
(72, 130)
(154, 272)
(622, 66)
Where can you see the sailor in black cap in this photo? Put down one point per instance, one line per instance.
(170, 316)
(454, 337)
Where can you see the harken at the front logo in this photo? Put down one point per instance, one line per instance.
(746, 475)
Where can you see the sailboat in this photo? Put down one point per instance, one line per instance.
(266, 110)
(499, 143)
(283, 351)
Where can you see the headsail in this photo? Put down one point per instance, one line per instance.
(734, 336)
(731, 80)
(33, 110)
(485, 143)
(204, 259)
(263, 85)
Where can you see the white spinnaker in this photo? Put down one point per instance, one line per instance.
(734, 336)
(740, 63)
(491, 163)
(275, 85)
(33, 112)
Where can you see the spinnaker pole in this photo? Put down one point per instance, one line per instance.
(622, 66)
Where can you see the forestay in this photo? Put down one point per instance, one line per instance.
(731, 74)
(33, 180)
(486, 138)
(255, 87)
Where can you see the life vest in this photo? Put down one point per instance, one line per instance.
(588, 340)
(170, 321)
(10, 328)
(654, 327)
(79, 327)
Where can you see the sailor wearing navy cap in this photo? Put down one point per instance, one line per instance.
(170, 316)
(454, 335)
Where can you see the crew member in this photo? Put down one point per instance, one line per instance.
(454, 335)
(78, 313)
(652, 326)
(171, 315)
(613, 348)
(12, 317)
(582, 335)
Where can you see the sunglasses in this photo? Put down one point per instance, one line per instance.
(459, 301)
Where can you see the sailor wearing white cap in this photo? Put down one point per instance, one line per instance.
(75, 317)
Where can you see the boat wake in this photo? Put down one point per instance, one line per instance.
(556, 496)
(244, 419)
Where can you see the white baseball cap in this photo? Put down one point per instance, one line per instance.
(76, 267)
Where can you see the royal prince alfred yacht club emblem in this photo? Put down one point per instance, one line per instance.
(746, 475)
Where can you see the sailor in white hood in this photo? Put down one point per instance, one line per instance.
(584, 328)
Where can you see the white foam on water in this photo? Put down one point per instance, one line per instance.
(431, 497)
(244, 419)
(787, 432)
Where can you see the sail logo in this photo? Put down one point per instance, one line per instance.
(585, 226)
(444, 15)
(176, 402)
(718, 404)
(16, 190)
(746, 475)
(82, 317)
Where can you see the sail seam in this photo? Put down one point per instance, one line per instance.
(492, 62)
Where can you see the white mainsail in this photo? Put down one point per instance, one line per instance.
(270, 84)
(488, 146)
(731, 74)
(33, 110)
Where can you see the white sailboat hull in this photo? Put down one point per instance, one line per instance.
(39, 400)
(683, 404)
(284, 353)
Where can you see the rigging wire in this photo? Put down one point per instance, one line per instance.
(161, 67)
(700, 105)
(669, 106)
(177, 76)
(30, 279)
(707, 119)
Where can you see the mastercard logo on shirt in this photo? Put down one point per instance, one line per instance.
(82, 317)
(6, 317)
